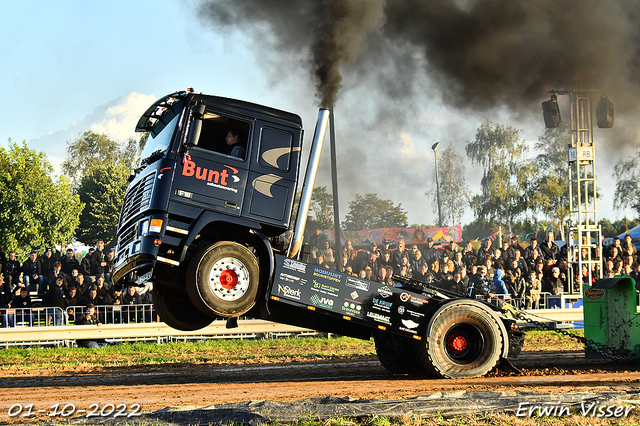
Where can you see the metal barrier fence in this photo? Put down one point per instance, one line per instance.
(117, 314)
(32, 317)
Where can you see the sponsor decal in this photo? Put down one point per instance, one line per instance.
(354, 295)
(401, 309)
(289, 278)
(289, 292)
(405, 297)
(295, 265)
(594, 293)
(415, 314)
(385, 319)
(381, 304)
(160, 174)
(352, 308)
(329, 275)
(418, 300)
(321, 301)
(360, 285)
(385, 292)
(325, 288)
(409, 326)
(410, 323)
(215, 178)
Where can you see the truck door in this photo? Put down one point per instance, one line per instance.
(209, 177)
(272, 179)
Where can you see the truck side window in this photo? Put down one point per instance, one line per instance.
(275, 148)
(215, 133)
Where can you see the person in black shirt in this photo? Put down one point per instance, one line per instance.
(69, 263)
(11, 272)
(55, 299)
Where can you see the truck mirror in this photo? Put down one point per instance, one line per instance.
(196, 125)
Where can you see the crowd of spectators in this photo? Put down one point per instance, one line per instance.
(508, 270)
(54, 281)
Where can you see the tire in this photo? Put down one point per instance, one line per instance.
(463, 341)
(178, 312)
(396, 354)
(223, 279)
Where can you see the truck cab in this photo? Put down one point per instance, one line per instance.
(213, 169)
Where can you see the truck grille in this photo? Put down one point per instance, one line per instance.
(137, 198)
(126, 236)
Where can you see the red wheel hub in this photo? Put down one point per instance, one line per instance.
(228, 279)
(457, 343)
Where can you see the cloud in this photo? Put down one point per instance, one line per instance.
(116, 118)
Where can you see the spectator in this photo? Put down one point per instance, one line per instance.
(497, 284)
(430, 252)
(549, 248)
(11, 272)
(400, 252)
(553, 284)
(47, 260)
(55, 299)
(457, 284)
(532, 293)
(532, 250)
(498, 260)
(97, 262)
(23, 304)
(90, 318)
(317, 239)
(69, 263)
(418, 260)
(7, 318)
(628, 245)
(484, 250)
(32, 274)
(515, 285)
(108, 269)
(478, 283)
(57, 272)
(85, 267)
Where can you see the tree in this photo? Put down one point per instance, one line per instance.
(370, 212)
(501, 151)
(92, 148)
(454, 192)
(102, 190)
(35, 210)
(549, 189)
(322, 208)
(627, 175)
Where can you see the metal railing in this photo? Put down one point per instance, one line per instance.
(117, 314)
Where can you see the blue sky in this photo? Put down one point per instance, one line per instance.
(72, 66)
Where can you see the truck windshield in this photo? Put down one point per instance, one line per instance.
(157, 145)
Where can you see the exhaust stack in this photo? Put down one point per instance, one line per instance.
(309, 181)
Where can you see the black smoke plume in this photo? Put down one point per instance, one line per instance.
(480, 54)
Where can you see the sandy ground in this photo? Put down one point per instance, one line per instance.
(152, 388)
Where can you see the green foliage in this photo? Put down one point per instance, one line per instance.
(501, 151)
(35, 210)
(454, 192)
(92, 148)
(611, 229)
(370, 212)
(101, 189)
(322, 208)
(627, 175)
(550, 185)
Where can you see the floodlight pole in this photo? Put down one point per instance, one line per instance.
(435, 151)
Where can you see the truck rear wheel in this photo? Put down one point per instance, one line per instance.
(464, 341)
(178, 311)
(223, 279)
(397, 354)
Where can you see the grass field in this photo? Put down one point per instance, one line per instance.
(16, 361)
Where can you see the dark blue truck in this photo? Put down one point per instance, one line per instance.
(204, 222)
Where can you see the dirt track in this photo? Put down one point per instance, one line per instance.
(157, 387)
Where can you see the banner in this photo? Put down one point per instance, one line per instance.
(409, 235)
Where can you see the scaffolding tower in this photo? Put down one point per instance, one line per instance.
(583, 234)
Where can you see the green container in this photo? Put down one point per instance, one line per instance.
(610, 314)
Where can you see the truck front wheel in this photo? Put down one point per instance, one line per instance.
(464, 341)
(223, 279)
(177, 311)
